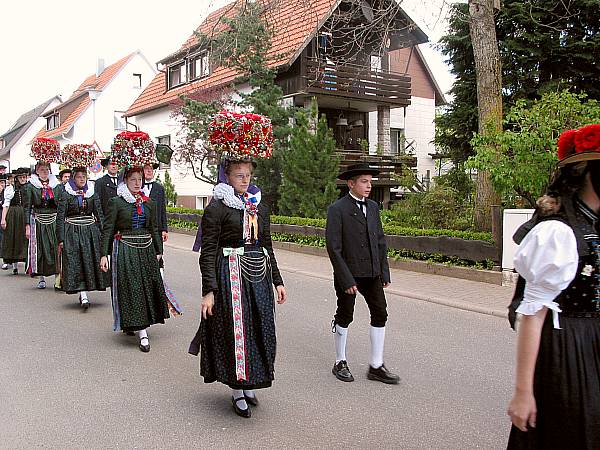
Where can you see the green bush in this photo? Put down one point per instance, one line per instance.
(174, 210)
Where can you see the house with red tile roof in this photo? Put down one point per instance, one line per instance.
(94, 113)
(386, 98)
(15, 142)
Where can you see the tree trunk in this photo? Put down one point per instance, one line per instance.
(489, 96)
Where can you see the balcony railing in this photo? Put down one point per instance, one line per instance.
(356, 82)
(388, 165)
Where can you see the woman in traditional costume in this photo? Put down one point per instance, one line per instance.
(239, 270)
(41, 211)
(78, 229)
(556, 400)
(130, 236)
(14, 242)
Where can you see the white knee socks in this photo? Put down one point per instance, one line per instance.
(83, 296)
(142, 334)
(340, 343)
(238, 393)
(377, 335)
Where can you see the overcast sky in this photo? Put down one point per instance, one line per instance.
(49, 47)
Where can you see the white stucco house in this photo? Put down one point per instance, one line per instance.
(388, 100)
(94, 113)
(15, 142)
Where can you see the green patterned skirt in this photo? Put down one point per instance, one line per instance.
(138, 293)
(41, 260)
(14, 242)
(80, 259)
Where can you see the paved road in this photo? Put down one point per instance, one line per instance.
(69, 382)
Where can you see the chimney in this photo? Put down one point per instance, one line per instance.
(100, 67)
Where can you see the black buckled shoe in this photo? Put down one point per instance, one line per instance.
(341, 371)
(383, 375)
(245, 413)
(252, 401)
(145, 347)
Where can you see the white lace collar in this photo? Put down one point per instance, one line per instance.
(124, 192)
(52, 181)
(226, 194)
(88, 193)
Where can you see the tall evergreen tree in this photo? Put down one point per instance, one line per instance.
(544, 46)
(310, 167)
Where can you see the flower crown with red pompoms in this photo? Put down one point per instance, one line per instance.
(241, 135)
(45, 150)
(79, 155)
(132, 149)
(579, 145)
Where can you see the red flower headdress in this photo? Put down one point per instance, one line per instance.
(579, 145)
(45, 150)
(132, 149)
(79, 155)
(241, 135)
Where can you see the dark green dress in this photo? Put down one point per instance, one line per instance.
(14, 242)
(41, 212)
(78, 227)
(133, 242)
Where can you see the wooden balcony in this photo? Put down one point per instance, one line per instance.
(346, 82)
(388, 165)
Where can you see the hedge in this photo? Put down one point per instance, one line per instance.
(388, 228)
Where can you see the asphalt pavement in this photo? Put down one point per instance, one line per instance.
(70, 382)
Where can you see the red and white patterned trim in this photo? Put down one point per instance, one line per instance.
(238, 317)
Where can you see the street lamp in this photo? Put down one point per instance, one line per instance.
(94, 94)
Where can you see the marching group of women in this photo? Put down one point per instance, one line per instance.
(59, 228)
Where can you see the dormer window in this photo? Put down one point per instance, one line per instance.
(199, 66)
(176, 75)
(52, 122)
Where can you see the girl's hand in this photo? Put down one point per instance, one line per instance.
(3, 224)
(522, 410)
(104, 264)
(208, 301)
(27, 231)
(281, 294)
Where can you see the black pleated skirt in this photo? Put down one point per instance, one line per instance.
(566, 387)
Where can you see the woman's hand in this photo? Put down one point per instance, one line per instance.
(522, 410)
(158, 257)
(281, 294)
(208, 301)
(104, 264)
(27, 231)
(61, 246)
(3, 224)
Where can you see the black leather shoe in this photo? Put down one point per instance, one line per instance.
(252, 401)
(145, 347)
(15, 271)
(245, 413)
(383, 375)
(341, 371)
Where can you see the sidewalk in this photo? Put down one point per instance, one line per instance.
(473, 296)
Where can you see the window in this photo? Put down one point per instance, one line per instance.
(137, 80)
(52, 122)
(324, 43)
(176, 75)
(199, 66)
(2, 144)
(201, 202)
(119, 120)
(376, 63)
(398, 141)
(164, 140)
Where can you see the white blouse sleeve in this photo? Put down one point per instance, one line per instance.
(9, 193)
(547, 259)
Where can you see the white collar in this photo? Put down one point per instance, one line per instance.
(225, 192)
(52, 181)
(357, 199)
(124, 192)
(88, 193)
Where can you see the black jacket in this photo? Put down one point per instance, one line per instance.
(106, 190)
(157, 193)
(353, 251)
(222, 227)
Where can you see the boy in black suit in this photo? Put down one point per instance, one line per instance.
(358, 252)
(106, 186)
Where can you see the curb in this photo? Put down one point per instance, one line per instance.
(457, 304)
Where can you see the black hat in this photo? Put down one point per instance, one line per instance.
(357, 169)
(21, 171)
(3, 176)
(62, 172)
(2, 166)
(105, 161)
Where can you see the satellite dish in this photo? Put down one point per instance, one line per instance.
(367, 11)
